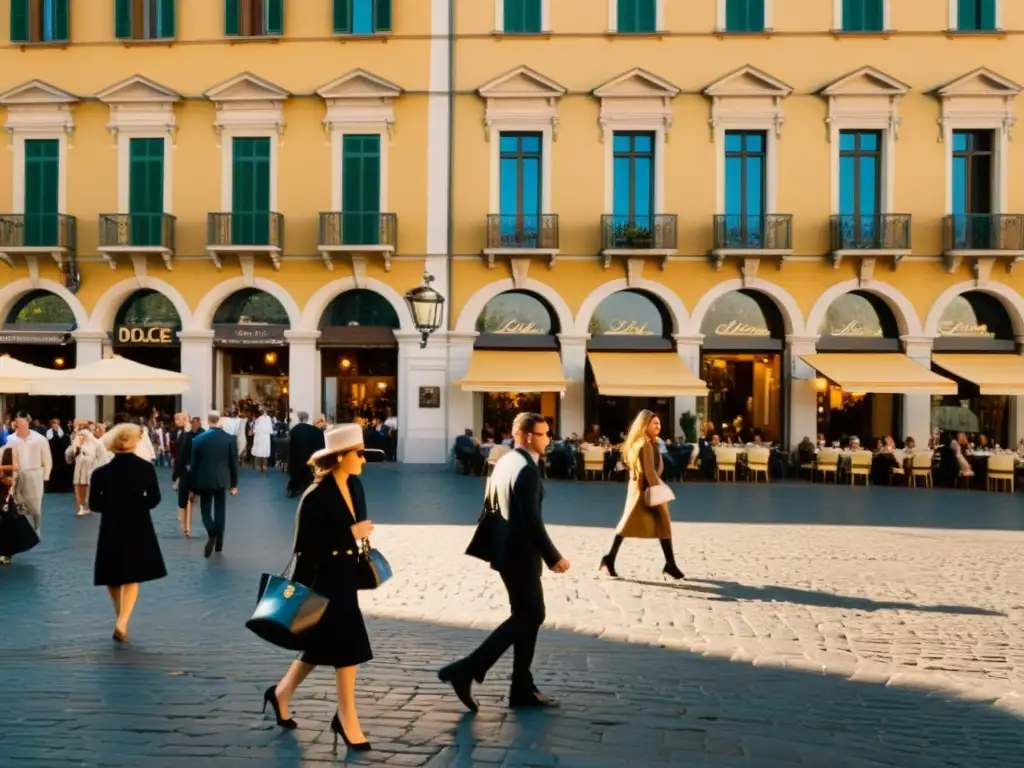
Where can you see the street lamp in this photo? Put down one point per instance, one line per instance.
(427, 307)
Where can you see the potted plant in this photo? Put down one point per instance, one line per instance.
(688, 423)
(633, 236)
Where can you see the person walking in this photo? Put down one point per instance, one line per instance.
(330, 523)
(263, 430)
(515, 485)
(214, 471)
(181, 475)
(303, 441)
(85, 453)
(124, 491)
(641, 520)
(61, 476)
(32, 466)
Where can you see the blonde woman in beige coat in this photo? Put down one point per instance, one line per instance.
(641, 456)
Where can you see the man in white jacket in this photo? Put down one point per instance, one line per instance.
(32, 466)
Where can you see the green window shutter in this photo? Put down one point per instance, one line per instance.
(744, 16)
(515, 16)
(250, 191)
(863, 15)
(19, 21)
(987, 22)
(61, 20)
(231, 18)
(166, 26)
(274, 10)
(342, 16)
(146, 190)
(360, 203)
(627, 15)
(123, 19)
(42, 183)
(638, 15)
(382, 16)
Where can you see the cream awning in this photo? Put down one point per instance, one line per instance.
(113, 376)
(880, 373)
(644, 374)
(994, 374)
(499, 370)
(18, 378)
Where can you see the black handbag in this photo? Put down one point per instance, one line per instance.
(491, 530)
(17, 534)
(373, 569)
(286, 611)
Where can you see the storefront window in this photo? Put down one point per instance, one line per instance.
(146, 331)
(516, 313)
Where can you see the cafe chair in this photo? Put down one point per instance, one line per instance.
(593, 462)
(920, 466)
(828, 464)
(757, 463)
(1001, 469)
(492, 458)
(860, 466)
(902, 457)
(726, 458)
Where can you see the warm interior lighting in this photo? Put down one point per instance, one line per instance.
(58, 362)
(284, 390)
(820, 384)
(346, 363)
(382, 385)
(270, 358)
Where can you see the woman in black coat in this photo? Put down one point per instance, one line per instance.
(182, 472)
(127, 553)
(331, 523)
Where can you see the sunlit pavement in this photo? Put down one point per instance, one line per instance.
(819, 626)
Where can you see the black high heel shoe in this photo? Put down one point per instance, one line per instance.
(608, 565)
(363, 746)
(270, 697)
(673, 570)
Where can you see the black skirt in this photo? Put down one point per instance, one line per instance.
(340, 639)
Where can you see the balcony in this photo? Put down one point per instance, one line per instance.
(522, 235)
(751, 237)
(638, 236)
(34, 234)
(983, 236)
(245, 233)
(358, 233)
(137, 233)
(868, 236)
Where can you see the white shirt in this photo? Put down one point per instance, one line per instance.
(31, 453)
(50, 435)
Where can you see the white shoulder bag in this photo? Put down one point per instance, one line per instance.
(659, 494)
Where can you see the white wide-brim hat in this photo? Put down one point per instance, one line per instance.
(342, 438)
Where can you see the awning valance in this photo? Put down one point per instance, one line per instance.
(18, 378)
(113, 376)
(644, 374)
(499, 370)
(880, 373)
(994, 374)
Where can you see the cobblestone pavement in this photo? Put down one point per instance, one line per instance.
(819, 626)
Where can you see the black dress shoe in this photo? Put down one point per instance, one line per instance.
(210, 544)
(461, 682)
(532, 699)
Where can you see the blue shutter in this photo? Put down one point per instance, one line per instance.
(123, 19)
(19, 21)
(231, 18)
(274, 11)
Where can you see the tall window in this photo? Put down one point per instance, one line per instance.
(253, 18)
(39, 21)
(143, 19)
(633, 185)
(42, 182)
(638, 15)
(863, 15)
(972, 188)
(146, 190)
(360, 189)
(860, 174)
(522, 16)
(745, 179)
(521, 185)
(250, 191)
(362, 17)
(976, 16)
(744, 16)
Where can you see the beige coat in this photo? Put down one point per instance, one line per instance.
(638, 520)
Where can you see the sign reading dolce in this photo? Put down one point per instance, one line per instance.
(138, 334)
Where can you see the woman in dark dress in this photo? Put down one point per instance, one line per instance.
(181, 474)
(127, 553)
(331, 521)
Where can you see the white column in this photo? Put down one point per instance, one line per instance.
(917, 409)
(574, 367)
(421, 431)
(463, 411)
(88, 349)
(302, 370)
(803, 392)
(197, 364)
(688, 348)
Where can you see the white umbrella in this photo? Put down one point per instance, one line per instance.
(113, 376)
(18, 378)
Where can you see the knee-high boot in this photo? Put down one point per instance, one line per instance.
(670, 569)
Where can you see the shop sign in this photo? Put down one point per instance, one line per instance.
(975, 330)
(250, 335)
(627, 328)
(736, 328)
(517, 326)
(856, 329)
(33, 337)
(144, 335)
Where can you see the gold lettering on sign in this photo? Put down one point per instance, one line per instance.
(736, 328)
(966, 329)
(127, 335)
(627, 328)
(515, 326)
(853, 328)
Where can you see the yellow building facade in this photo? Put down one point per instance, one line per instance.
(794, 216)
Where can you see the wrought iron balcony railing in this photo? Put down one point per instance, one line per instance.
(38, 230)
(983, 232)
(641, 233)
(259, 230)
(358, 229)
(871, 232)
(526, 231)
(137, 230)
(754, 232)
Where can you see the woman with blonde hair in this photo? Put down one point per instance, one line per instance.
(127, 552)
(86, 453)
(647, 496)
(331, 522)
(182, 473)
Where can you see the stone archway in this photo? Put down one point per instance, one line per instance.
(476, 303)
(11, 293)
(904, 312)
(108, 305)
(1011, 300)
(669, 299)
(792, 317)
(202, 317)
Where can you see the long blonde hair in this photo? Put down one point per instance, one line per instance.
(635, 439)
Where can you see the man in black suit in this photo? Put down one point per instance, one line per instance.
(303, 441)
(519, 555)
(214, 469)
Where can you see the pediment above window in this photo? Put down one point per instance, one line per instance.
(521, 97)
(247, 102)
(747, 98)
(246, 87)
(979, 99)
(866, 81)
(137, 90)
(866, 98)
(140, 105)
(636, 100)
(359, 98)
(39, 107)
